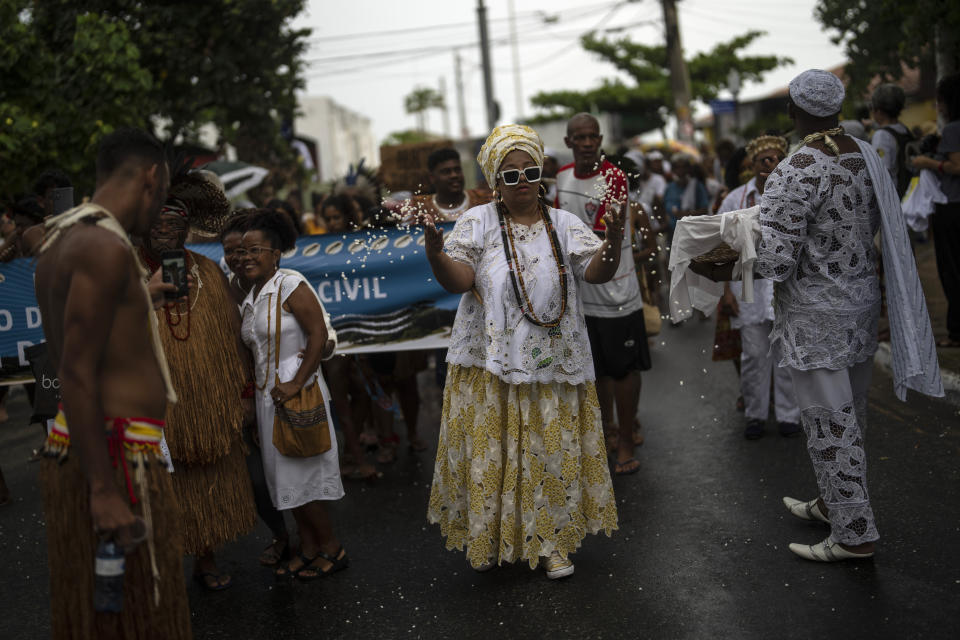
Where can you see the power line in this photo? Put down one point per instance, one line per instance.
(414, 53)
(526, 15)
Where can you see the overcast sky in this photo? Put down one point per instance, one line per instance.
(368, 54)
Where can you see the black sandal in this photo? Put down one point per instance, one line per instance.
(273, 556)
(337, 562)
(284, 569)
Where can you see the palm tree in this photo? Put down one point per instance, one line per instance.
(419, 101)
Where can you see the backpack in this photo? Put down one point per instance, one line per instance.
(904, 174)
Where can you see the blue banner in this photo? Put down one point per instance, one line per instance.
(376, 284)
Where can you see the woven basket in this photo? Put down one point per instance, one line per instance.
(722, 254)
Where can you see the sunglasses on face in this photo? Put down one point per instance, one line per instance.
(511, 177)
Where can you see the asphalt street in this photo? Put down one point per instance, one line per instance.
(701, 551)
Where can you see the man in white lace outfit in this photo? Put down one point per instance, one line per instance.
(818, 216)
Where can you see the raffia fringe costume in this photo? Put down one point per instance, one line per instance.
(204, 428)
(154, 598)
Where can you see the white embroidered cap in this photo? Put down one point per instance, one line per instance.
(818, 92)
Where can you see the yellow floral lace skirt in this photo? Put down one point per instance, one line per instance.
(521, 470)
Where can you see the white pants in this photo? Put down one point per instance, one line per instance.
(833, 411)
(758, 369)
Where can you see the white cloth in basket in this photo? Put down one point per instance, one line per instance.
(695, 236)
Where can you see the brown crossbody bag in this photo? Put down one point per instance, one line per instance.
(300, 425)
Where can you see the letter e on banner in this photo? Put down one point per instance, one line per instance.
(33, 317)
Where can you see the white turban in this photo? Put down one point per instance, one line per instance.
(818, 92)
(503, 140)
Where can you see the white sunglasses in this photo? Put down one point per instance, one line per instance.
(511, 177)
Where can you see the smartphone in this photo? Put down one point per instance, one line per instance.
(62, 198)
(175, 272)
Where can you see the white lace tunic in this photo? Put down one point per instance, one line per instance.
(818, 218)
(493, 334)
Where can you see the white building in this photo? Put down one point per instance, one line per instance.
(343, 136)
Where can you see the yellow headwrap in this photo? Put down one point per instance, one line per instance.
(764, 143)
(503, 140)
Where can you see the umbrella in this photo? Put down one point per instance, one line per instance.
(237, 177)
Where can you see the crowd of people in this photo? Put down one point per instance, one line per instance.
(238, 389)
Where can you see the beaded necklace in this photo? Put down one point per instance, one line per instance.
(516, 278)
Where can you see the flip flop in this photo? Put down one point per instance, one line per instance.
(621, 468)
(202, 576)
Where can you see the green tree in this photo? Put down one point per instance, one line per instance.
(645, 101)
(55, 103)
(421, 100)
(80, 69)
(881, 36)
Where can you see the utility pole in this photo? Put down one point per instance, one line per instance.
(461, 107)
(446, 106)
(515, 51)
(492, 109)
(679, 77)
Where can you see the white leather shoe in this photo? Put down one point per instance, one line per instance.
(805, 510)
(556, 566)
(826, 551)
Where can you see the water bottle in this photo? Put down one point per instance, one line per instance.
(108, 578)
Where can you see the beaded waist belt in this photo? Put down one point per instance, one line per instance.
(132, 436)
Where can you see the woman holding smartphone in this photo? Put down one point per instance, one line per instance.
(299, 484)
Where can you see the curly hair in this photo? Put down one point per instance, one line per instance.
(275, 225)
(237, 223)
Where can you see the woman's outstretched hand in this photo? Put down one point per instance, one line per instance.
(433, 237)
(614, 219)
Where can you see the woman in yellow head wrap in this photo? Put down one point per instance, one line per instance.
(521, 471)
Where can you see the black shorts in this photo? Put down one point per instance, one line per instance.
(619, 345)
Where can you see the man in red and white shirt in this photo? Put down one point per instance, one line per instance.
(614, 310)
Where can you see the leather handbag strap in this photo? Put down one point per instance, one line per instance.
(276, 371)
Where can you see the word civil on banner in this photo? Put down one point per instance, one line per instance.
(376, 284)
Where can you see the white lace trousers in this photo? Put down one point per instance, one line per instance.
(833, 411)
(758, 369)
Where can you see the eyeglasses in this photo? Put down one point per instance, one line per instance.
(253, 252)
(511, 177)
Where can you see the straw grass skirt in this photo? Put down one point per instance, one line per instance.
(521, 470)
(71, 546)
(216, 501)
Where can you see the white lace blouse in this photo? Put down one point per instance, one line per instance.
(493, 334)
(818, 218)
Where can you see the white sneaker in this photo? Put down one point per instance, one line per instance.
(826, 551)
(805, 510)
(556, 566)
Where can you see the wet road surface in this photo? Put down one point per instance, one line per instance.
(701, 551)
